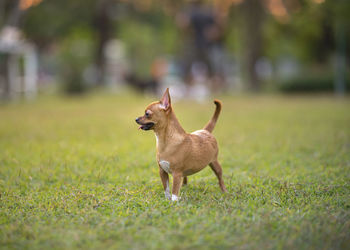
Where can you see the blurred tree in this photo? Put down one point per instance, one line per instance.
(253, 16)
(342, 20)
(104, 27)
(12, 12)
(309, 34)
(93, 16)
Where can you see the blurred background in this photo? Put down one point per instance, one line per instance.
(194, 47)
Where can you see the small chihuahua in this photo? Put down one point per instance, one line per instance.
(179, 153)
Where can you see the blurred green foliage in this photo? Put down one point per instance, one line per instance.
(52, 21)
(309, 34)
(147, 38)
(306, 32)
(310, 83)
(76, 55)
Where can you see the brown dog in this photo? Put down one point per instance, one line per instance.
(179, 153)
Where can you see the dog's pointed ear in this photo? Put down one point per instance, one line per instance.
(165, 102)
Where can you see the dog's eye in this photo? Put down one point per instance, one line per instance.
(147, 114)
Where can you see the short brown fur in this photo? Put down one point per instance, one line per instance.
(186, 153)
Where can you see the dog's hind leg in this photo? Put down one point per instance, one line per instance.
(185, 181)
(216, 167)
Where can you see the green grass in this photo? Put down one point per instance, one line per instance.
(76, 173)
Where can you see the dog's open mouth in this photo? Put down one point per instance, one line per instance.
(147, 126)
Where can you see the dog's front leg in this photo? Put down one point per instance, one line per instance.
(165, 181)
(177, 181)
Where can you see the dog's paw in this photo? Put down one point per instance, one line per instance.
(174, 197)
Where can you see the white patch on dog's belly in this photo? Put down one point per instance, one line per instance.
(165, 165)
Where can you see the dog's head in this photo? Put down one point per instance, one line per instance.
(156, 113)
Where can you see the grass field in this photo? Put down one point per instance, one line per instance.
(76, 173)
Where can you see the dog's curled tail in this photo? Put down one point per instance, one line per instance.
(211, 124)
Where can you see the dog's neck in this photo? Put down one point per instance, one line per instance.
(170, 132)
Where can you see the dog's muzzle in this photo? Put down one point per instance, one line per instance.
(146, 126)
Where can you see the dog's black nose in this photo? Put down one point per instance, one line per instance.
(137, 119)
